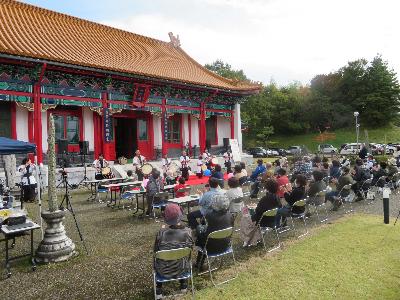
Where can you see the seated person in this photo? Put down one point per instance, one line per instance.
(360, 174)
(218, 217)
(277, 166)
(217, 173)
(249, 232)
(392, 168)
(283, 181)
(259, 170)
(325, 169)
(205, 202)
(181, 184)
(239, 174)
(243, 166)
(173, 236)
(170, 179)
(378, 172)
(129, 176)
(298, 193)
(317, 185)
(334, 171)
(343, 180)
(154, 186)
(234, 192)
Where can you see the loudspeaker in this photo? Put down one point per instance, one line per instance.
(226, 142)
(208, 145)
(62, 146)
(84, 147)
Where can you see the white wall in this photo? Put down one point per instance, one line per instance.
(44, 131)
(22, 124)
(88, 129)
(157, 132)
(238, 127)
(224, 129)
(195, 132)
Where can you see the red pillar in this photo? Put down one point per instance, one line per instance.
(202, 128)
(232, 125)
(164, 149)
(190, 133)
(37, 119)
(151, 137)
(30, 126)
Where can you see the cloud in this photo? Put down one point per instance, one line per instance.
(286, 40)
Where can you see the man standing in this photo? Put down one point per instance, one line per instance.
(138, 162)
(184, 159)
(228, 161)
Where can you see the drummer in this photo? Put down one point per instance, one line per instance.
(166, 163)
(184, 159)
(207, 158)
(200, 166)
(99, 164)
(138, 162)
(228, 157)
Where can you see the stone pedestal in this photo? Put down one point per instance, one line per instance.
(55, 246)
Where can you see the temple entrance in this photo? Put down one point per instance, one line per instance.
(125, 137)
(5, 119)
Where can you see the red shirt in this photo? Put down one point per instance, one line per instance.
(178, 187)
(282, 181)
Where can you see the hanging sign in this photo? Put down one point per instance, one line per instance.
(165, 120)
(107, 125)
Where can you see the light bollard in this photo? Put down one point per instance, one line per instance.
(386, 194)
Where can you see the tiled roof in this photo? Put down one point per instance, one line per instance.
(30, 31)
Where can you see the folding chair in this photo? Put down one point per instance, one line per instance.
(217, 235)
(162, 202)
(293, 215)
(126, 196)
(395, 182)
(319, 203)
(173, 255)
(346, 196)
(102, 190)
(263, 230)
(365, 187)
(236, 214)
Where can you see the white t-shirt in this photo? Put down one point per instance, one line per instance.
(184, 161)
(139, 162)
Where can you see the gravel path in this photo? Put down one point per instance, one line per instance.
(120, 260)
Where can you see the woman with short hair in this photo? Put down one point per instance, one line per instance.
(234, 192)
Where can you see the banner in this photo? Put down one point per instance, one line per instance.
(108, 136)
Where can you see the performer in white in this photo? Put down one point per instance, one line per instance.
(228, 157)
(99, 164)
(184, 159)
(28, 180)
(138, 162)
(207, 158)
(165, 162)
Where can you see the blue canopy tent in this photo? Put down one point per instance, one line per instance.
(10, 146)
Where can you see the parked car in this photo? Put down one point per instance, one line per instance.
(352, 148)
(272, 152)
(280, 151)
(294, 150)
(390, 148)
(326, 149)
(257, 152)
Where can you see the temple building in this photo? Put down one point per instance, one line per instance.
(117, 90)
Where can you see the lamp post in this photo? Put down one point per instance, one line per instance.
(356, 114)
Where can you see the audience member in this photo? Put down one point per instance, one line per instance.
(249, 231)
(334, 171)
(259, 170)
(234, 192)
(153, 187)
(181, 184)
(283, 181)
(317, 185)
(173, 236)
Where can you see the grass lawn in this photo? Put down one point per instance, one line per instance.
(355, 258)
(378, 135)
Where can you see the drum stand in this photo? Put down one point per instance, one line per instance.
(69, 207)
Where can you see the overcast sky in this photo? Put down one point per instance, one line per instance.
(283, 40)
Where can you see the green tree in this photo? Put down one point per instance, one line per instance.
(225, 70)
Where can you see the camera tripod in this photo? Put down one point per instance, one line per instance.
(85, 178)
(68, 206)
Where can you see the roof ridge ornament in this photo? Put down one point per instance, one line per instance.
(174, 40)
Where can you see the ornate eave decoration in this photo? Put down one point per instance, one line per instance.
(98, 110)
(27, 105)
